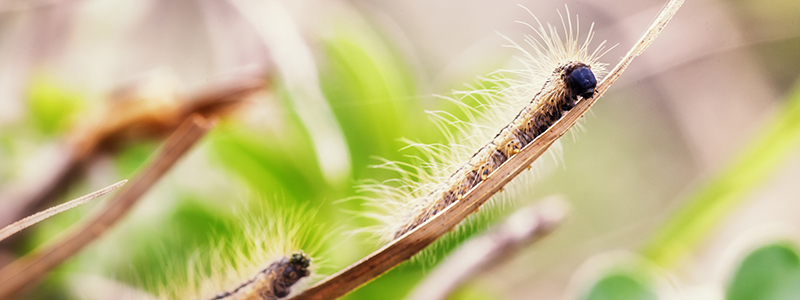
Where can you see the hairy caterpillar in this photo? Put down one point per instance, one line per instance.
(559, 73)
(273, 282)
(419, 185)
(259, 260)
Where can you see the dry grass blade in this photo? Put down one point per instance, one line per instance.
(40, 216)
(480, 254)
(404, 247)
(28, 270)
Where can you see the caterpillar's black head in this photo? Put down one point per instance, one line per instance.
(300, 259)
(297, 268)
(581, 82)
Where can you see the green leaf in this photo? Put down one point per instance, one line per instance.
(720, 195)
(621, 286)
(372, 94)
(52, 106)
(162, 248)
(771, 272)
(268, 164)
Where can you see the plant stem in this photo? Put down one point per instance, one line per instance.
(28, 270)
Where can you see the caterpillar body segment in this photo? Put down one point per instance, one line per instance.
(273, 282)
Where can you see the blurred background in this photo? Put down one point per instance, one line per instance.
(699, 132)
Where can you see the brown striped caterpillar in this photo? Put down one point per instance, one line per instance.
(558, 73)
(273, 282)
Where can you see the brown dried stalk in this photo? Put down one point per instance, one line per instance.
(404, 247)
(482, 253)
(26, 271)
(42, 215)
(124, 123)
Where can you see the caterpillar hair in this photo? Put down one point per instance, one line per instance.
(260, 261)
(558, 74)
(422, 235)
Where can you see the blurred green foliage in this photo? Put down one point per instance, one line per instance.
(771, 272)
(158, 247)
(372, 95)
(132, 158)
(620, 285)
(268, 163)
(52, 106)
(718, 196)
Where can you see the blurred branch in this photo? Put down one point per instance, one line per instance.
(406, 246)
(42, 215)
(482, 253)
(28, 270)
(124, 123)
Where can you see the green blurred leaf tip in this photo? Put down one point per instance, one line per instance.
(771, 272)
(621, 285)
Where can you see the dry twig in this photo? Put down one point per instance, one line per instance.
(124, 123)
(28, 270)
(481, 253)
(404, 247)
(42, 215)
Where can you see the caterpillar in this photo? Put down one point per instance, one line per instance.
(571, 72)
(260, 260)
(423, 188)
(273, 282)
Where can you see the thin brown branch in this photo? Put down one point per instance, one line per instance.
(28, 270)
(482, 253)
(42, 215)
(125, 122)
(404, 247)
